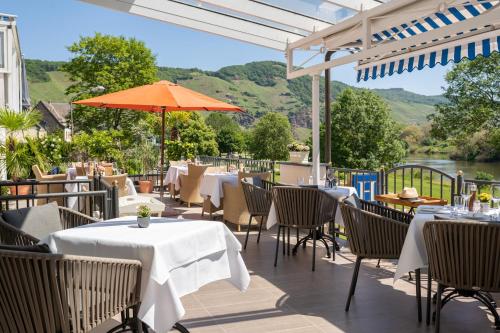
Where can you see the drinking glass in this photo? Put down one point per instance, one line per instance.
(458, 205)
(330, 176)
(467, 192)
(300, 181)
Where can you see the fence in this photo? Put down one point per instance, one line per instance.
(32, 192)
(250, 164)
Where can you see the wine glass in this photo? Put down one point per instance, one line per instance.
(495, 198)
(330, 176)
(467, 192)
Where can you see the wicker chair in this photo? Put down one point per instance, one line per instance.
(258, 203)
(10, 235)
(300, 208)
(43, 292)
(190, 184)
(373, 236)
(121, 181)
(46, 188)
(464, 256)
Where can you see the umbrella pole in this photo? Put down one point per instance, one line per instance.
(162, 153)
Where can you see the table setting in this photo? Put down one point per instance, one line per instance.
(211, 185)
(414, 253)
(178, 257)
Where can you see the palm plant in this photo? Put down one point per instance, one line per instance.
(19, 153)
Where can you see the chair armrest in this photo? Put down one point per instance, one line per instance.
(72, 219)
(10, 235)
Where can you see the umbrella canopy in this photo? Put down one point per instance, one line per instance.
(157, 97)
(162, 96)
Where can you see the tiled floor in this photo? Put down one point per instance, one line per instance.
(290, 298)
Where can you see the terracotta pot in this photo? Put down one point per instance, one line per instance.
(145, 186)
(21, 190)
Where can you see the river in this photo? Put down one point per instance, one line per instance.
(443, 163)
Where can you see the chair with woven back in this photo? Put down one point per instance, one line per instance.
(464, 256)
(374, 236)
(44, 292)
(121, 182)
(190, 184)
(300, 208)
(49, 188)
(235, 206)
(258, 202)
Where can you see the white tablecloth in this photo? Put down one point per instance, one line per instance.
(128, 204)
(337, 193)
(211, 186)
(178, 257)
(172, 176)
(414, 254)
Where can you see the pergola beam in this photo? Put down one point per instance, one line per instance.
(357, 5)
(203, 20)
(270, 13)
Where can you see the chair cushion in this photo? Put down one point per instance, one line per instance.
(39, 221)
(353, 201)
(39, 248)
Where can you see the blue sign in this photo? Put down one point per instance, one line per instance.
(366, 185)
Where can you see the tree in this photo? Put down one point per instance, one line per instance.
(189, 136)
(116, 63)
(363, 133)
(229, 136)
(473, 93)
(270, 137)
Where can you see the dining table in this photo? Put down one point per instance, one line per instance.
(422, 200)
(211, 185)
(178, 257)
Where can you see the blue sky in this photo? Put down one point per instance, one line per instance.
(47, 27)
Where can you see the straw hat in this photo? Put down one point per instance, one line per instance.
(408, 193)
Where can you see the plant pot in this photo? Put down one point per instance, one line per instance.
(485, 207)
(299, 156)
(143, 222)
(145, 186)
(20, 190)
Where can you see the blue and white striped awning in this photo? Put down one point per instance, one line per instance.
(482, 40)
(468, 48)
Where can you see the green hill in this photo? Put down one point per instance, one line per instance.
(258, 87)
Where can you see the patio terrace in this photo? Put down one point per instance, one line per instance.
(291, 298)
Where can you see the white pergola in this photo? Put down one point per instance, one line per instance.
(384, 37)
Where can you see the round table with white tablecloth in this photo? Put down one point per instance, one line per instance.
(211, 186)
(173, 173)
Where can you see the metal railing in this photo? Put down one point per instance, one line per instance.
(250, 164)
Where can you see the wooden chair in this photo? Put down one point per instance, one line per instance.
(258, 203)
(373, 236)
(49, 188)
(190, 184)
(107, 168)
(300, 208)
(235, 206)
(121, 183)
(42, 292)
(464, 256)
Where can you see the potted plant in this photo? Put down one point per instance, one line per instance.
(484, 199)
(143, 216)
(298, 152)
(20, 153)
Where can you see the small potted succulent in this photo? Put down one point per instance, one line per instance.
(143, 216)
(299, 153)
(484, 199)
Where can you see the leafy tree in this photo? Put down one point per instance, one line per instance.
(229, 135)
(102, 145)
(473, 93)
(189, 136)
(363, 133)
(270, 137)
(116, 63)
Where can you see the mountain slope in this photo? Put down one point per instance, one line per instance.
(258, 87)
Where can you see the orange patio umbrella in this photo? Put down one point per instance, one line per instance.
(161, 97)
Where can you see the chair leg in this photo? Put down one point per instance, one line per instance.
(284, 240)
(248, 232)
(490, 305)
(418, 294)
(314, 250)
(429, 298)
(288, 243)
(262, 220)
(378, 264)
(438, 307)
(352, 289)
(137, 321)
(277, 247)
